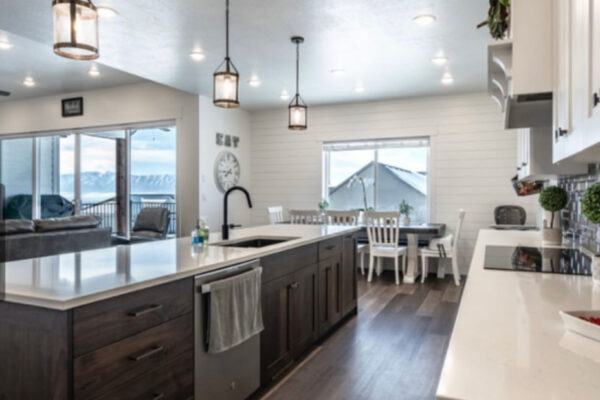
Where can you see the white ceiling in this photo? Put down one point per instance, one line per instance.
(375, 41)
(52, 74)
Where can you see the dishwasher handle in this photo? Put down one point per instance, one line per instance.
(226, 272)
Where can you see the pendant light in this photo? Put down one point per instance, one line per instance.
(226, 85)
(297, 108)
(75, 29)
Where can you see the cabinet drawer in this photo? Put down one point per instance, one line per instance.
(98, 324)
(173, 382)
(287, 262)
(102, 370)
(329, 248)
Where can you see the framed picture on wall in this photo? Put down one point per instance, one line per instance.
(72, 107)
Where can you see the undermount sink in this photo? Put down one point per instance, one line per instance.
(255, 242)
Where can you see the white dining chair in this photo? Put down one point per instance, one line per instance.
(275, 214)
(309, 217)
(348, 218)
(443, 248)
(383, 229)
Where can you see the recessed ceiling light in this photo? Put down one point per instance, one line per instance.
(5, 44)
(94, 70)
(29, 82)
(254, 81)
(106, 12)
(447, 79)
(439, 60)
(338, 72)
(424, 19)
(284, 95)
(358, 88)
(197, 55)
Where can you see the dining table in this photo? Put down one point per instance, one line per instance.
(411, 236)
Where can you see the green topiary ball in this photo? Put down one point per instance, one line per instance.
(554, 198)
(590, 205)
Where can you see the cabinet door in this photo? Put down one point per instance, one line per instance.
(330, 310)
(562, 79)
(275, 340)
(580, 53)
(304, 311)
(594, 89)
(349, 275)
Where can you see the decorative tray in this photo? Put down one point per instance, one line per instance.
(586, 323)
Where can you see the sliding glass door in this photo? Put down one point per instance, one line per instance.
(112, 174)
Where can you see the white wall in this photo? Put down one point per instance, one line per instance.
(144, 102)
(472, 156)
(235, 122)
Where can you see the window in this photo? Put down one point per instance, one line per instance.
(377, 175)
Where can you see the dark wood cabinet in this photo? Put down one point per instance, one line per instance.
(289, 305)
(349, 275)
(304, 309)
(330, 301)
(276, 343)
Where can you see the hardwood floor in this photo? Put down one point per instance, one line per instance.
(393, 349)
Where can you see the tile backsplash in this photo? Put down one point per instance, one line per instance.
(573, 221)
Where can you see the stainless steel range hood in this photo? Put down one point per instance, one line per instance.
(528, 111)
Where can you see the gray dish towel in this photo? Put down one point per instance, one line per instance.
(235, 312)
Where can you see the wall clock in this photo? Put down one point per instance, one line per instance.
(227, 170)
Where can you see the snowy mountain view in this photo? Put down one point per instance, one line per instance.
(98, 186)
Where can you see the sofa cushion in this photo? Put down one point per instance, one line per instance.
(67, 223)
(13, 226)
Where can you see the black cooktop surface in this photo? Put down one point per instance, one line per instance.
(532, 259)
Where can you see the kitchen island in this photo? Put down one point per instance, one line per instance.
(509, 341)
(119, 322)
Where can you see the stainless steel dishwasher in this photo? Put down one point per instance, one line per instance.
(233, 374)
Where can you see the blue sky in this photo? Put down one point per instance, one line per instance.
(152, 152)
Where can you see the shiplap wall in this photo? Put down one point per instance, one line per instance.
(472, 156)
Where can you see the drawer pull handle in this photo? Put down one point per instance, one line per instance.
(330, 247)
(159, 396)
(147, 354)
(152, 308)
(596, 99)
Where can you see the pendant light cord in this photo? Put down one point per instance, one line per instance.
(297, 67)
(227, 31)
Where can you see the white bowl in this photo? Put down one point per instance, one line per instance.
(580, 326)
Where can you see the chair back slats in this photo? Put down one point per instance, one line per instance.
(306, 217)
(459, 226)
(275, 214)
(342, 217)
(383, 228)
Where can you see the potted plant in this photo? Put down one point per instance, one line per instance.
(590, 207)
(553, 199)
(405, 209)
(323, 206)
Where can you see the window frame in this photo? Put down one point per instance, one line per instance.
(376, 145)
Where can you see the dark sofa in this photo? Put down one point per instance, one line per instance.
(21, 239)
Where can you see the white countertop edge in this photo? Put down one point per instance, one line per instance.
(63, 305)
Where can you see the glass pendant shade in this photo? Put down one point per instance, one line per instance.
(298, 114)
(226, 87)
(75, 29)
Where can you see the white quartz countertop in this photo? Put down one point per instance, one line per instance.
(71, 280)
(509, 342)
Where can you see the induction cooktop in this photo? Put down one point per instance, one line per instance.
(533, 259)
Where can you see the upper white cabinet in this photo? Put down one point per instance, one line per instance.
(534, 146)
(576, 102)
